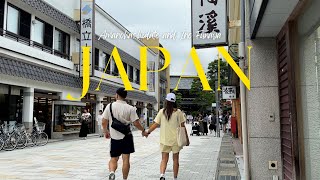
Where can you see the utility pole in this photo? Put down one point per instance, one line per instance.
(217, 106)
(243, 93)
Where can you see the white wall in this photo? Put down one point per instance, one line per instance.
(65, 6)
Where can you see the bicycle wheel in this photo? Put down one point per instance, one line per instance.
(33, 139)
(22, 141)
(1, 143)
(42, 139)
(11, 143)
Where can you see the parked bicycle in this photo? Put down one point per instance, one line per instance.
(9, 137)
(25, 137)
(1, 143)
(41, 137)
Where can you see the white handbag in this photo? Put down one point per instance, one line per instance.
(181, 136)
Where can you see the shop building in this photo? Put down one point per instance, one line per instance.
(39, 66)
(163, 76)
(283, 105)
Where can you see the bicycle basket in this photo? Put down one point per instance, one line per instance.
(20, 127)
(8, 128)
(40, 126)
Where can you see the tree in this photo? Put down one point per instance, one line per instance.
(178, 97)
(204, 99)
(212, 72)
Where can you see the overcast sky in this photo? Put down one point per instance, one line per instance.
(162, 16)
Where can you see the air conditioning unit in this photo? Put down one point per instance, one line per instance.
(76, 57)
(76, 15)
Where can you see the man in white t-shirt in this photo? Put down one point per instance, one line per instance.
(120, 144)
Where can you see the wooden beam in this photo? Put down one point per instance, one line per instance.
(234, 24)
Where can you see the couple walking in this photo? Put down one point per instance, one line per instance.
(169, 118)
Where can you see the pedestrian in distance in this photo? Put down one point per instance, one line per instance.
(116, 121)
(205, 124)
(85, 120)
(200, 120)
(213, 121)
(99, 123)
(169, 119)
(224, 122)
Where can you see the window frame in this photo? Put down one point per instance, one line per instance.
(7, 16)
(65, 49)
(2, 13)
(19, 22)
(44, 28)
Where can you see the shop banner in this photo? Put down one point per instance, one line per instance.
(209, 23)
(87, 32)
(229, 92)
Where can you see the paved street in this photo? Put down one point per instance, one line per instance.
(87, 159)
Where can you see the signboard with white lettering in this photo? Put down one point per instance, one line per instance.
(209, 23)
(229, 92)
(87, 31)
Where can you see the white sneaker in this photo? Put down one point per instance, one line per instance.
(112, 176)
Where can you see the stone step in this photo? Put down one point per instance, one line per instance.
(227, 152)
(226, 165)
(227, 160)
(227, 156)
(228, 172)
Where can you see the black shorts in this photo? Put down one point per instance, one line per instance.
(122, 146)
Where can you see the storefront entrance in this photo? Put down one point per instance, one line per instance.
(43, 108)
(91, 101)
(11, 101)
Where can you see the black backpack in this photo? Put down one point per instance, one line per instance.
(213, 120)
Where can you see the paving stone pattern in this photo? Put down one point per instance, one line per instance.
(87, 160)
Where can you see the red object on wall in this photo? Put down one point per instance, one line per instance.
(233, 125)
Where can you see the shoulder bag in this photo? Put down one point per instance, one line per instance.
(181, 135)
(119, 126)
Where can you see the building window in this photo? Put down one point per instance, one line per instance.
(18, 21)
(107, 57)
(131, 73)
(125, 65)
(61, 42)
(43, 33)
(102, 61)
(77, 46)
(115, 70)
(1, 14)
(96, 59)
(137, 76)
(39, 31)
(13, 20)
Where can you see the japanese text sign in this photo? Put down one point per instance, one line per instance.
(209, 23)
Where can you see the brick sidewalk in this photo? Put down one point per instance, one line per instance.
(87, 160)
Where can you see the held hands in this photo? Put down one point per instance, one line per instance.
(107, 135)
(145, 133)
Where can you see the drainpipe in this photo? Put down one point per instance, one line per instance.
(243, 93)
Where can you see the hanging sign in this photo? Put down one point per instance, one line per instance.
(209, 23)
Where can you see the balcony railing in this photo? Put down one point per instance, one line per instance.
(62, 55)
(16, 37)
(101, 69)
(28, 42)
(115, 73)
(43, 47)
